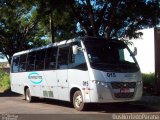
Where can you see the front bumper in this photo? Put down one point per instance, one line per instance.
(112, 92)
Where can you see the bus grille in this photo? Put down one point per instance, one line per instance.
(120, 85)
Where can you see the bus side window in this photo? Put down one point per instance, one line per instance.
(63, 57)
(39, 62)
(15, 64)
(31, 61)
(22, 63)
(77, 61)
(50, 58)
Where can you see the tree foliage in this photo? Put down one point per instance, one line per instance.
(115, 18)
(18, 27)
(27, 24)
(57, 18)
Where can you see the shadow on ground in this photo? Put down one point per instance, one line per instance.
(8, 93)
(135, 107)
(123, 108)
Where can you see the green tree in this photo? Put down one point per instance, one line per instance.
(115, 18)
(19, 27)
(27, 24)
(57, 19)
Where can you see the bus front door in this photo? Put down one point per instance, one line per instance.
(62, 74)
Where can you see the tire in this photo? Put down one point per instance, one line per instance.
(78, 101)
(28, 96)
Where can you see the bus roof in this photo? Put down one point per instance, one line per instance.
(47, 46)
(87, 38)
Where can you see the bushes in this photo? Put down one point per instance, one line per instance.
(148, 83)
(4, 81)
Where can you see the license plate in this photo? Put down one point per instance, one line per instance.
(124, 90)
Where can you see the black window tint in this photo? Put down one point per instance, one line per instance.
(63, 58)
(15, 64)
(22, 63)
(30, 61)
(50, 59)
(39, 62)
(77, 61)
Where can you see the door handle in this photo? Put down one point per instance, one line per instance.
(66, 80)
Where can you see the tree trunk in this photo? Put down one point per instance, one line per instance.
(91, 16)
(8, 57)
(110, 23)
(51, 27)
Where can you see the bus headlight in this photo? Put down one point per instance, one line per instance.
(105, 84)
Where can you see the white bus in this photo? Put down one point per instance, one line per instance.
(81, 70)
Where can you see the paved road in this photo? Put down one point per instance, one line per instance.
(15, 104)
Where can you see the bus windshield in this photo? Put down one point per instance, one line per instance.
(110, 56)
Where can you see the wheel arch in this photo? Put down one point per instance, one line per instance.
(25, 88)
(72, 91)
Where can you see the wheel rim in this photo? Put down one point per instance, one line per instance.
(78, 101)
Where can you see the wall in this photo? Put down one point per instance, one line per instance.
(145, 51)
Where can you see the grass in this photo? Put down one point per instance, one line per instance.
(148, 79)
(4, 81)
(148, 83)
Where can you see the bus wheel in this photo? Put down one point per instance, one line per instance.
(78, 101)
(28, 96)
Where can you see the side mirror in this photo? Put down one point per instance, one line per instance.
(75, 49)
(135, 51)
